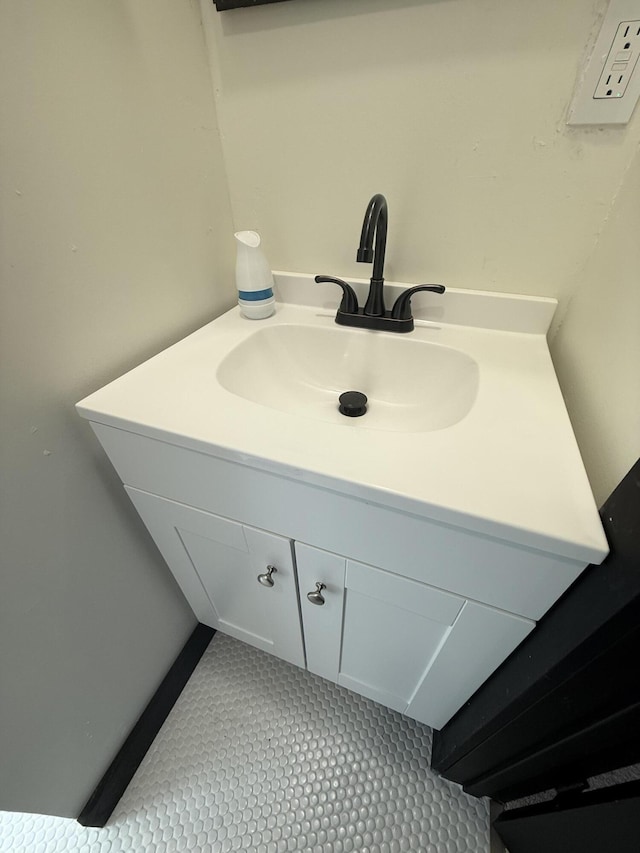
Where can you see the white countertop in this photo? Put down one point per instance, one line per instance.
(509, 469)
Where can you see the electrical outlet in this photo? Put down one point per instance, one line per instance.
(610, 83)
(620, 62)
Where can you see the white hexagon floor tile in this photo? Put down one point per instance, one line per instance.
(259, 755)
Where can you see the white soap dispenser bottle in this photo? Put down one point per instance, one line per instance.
(253, 277)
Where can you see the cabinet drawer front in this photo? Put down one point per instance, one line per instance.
(217, 562)
(426, 601)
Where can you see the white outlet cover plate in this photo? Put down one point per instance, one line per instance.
(587, 110)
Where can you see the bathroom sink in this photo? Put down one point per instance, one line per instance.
(411, 385)
(465, 425)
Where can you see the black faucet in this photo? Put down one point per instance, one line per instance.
(374, 315)
(375, 222)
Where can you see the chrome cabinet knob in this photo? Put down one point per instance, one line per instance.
(316, 597)
(266, 579)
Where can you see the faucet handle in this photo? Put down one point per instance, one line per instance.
(349, 303)
(402, 306)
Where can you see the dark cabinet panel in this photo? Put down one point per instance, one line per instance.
(566, 705)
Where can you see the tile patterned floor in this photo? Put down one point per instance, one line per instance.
(259, 755)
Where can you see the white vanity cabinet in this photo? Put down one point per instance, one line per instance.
(218, 563)
(416, 615)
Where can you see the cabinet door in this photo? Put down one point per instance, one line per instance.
(322, 624)
(407, 645)
(217, 562)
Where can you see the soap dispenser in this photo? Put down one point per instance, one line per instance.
(253, 278)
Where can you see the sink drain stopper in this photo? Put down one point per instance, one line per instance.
(353, 404)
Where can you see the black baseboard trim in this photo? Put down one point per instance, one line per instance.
(113, 784)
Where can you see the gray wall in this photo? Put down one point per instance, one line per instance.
(115, 240)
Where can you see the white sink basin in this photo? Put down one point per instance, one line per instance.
(411, 385)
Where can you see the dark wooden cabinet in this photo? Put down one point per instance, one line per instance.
(564, 707)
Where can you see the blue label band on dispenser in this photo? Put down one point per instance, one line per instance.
(255, 295)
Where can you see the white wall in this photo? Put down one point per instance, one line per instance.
(454, 109)
(596, 349)
(115, 240)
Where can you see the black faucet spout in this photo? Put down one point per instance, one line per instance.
(374, 315)
(374, 224)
